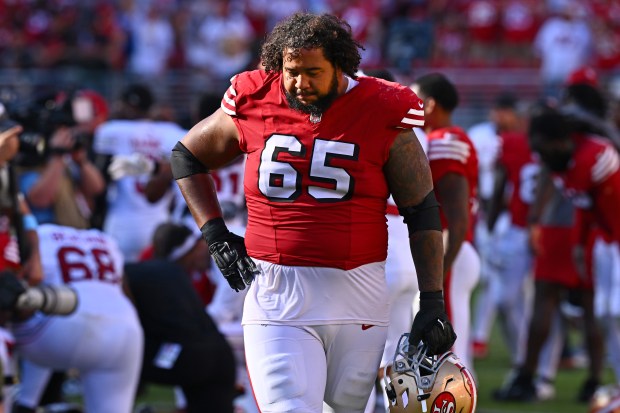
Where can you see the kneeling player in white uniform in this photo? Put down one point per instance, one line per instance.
(102, 339)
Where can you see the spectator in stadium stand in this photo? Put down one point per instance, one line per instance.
(364, 18)
(221, 46)
(563, 44)
(520, 20)
(605, 24)
(449, 49)
(483, 26)
(152, 40)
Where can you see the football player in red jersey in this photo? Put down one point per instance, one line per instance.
(324, 151)
(454, 166)
(516, 171)
(586, 169)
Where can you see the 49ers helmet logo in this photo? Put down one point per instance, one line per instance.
(444, 403)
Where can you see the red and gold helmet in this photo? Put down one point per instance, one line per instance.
(606, 400)
(419, 383)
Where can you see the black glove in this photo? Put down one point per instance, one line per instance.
(431, 324)
(10, 290)
(228, 251)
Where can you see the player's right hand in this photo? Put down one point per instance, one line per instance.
(229, 253)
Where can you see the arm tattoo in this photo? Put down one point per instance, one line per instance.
(407, 171)
(409, 178)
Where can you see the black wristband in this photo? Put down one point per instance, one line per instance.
(431, 295)
(213, 229)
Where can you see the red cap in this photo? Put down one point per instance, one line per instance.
(584, 75)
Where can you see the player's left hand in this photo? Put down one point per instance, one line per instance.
(431, 324)
(130, 165)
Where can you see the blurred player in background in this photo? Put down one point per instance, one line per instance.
(183, 346)
(516, 172)
(129, 149)
(586, 169)
(454, 166)
(102, 339)
(504, 117)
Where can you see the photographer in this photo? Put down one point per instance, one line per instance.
(62, 187)
(9, 144)
(12, 209)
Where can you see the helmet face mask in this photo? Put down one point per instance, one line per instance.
(419, 383)
(606, 400)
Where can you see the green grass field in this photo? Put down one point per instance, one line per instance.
(492, 371)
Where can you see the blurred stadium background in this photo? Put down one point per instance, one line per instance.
(186, 47)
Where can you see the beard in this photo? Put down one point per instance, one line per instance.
(322, 103)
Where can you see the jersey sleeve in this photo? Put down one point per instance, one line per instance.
(607, 163)
(407, 107)
(240, 92)
(448, 155)
(229, 100)
(398, 108)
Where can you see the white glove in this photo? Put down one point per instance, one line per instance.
(130, 165)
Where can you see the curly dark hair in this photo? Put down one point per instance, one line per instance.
(311, 31)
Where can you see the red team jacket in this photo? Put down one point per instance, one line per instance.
(451, 151)
(315, 189)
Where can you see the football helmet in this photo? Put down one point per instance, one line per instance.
(606, 400)
(419, 383)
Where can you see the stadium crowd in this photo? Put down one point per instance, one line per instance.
(95, 174)
(220, 37)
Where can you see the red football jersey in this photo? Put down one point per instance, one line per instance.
(451, 151)
(521, 170)
(592, 182)
(315, 189)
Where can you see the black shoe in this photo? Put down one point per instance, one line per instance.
(521, 388)
(588, 388)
